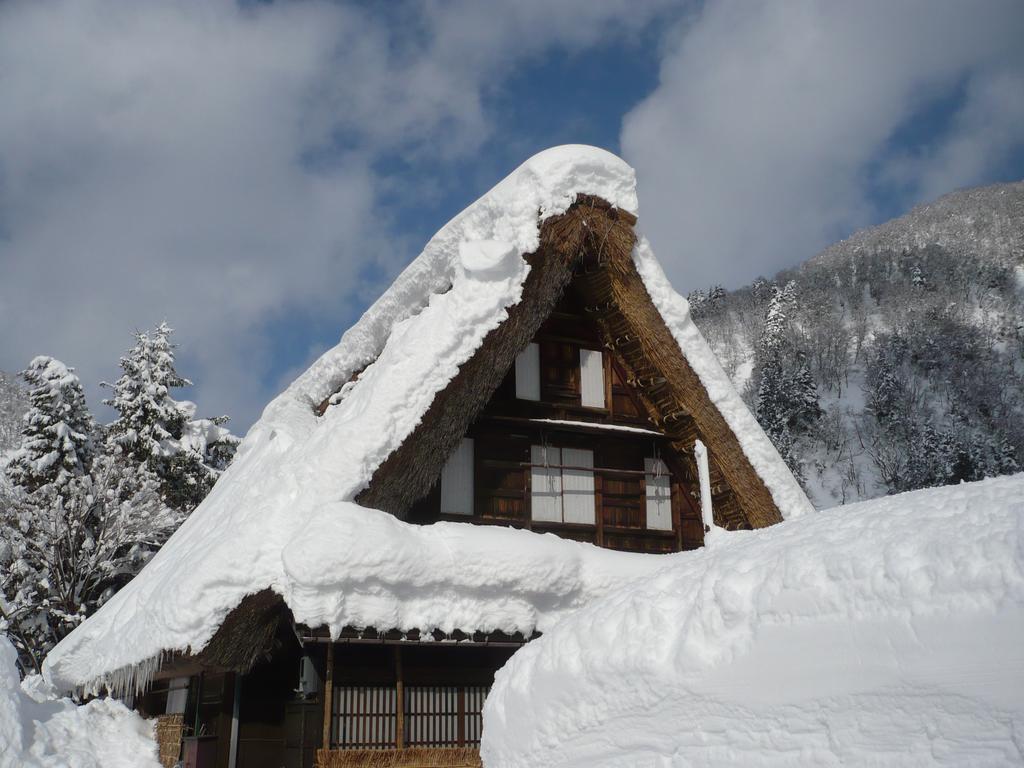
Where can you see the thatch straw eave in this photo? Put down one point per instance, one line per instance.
(591, 245)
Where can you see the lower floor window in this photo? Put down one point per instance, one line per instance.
(562, 484)
(444, 716)
(366, 717)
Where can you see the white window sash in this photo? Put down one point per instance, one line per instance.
(528, 373)
(546, 483)
(177, 696)
(658, 484)
(592, 378)
(457, 481)
(578, 502)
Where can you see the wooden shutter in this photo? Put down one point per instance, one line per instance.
(528, 373)
(457, 481)
(546, 483)
(659, 495)
(177, 696)
(592, 378)
(578, 486)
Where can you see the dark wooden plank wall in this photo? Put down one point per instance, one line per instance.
(507, 428)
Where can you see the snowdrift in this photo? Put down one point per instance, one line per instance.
(889, 632)
(38, 730)
(282, 515)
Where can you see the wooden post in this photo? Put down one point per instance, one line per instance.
(704, 475)
(399, 700)
(236, 701)
(328, 696)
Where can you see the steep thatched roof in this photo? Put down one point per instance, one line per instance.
(592, 242)
(369, 426)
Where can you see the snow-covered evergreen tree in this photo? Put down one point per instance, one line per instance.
(80, 516)
(149, 418)
(154, 429)
(57, 432)
(787, 397)
(65, 549)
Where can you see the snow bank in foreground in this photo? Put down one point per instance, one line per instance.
(38, 730)
(883, 633)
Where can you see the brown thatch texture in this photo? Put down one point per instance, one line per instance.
(246, 634)
(169, 730)
(410, 471)
(673, 393)
(593, 243)
(461, 757)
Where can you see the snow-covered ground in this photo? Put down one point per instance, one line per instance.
(39, 730)
(889, 632)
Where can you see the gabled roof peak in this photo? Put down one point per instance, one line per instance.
(283, 516)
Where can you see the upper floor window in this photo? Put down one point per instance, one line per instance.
(561, 372)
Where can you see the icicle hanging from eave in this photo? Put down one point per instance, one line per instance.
(133, 678)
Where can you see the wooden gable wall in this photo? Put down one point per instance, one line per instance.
(617, 437)
(589, 247)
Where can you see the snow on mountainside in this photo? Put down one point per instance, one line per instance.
(987, 219)
(885, 633)
(902, 349)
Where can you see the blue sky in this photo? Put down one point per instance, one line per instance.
(256, 174)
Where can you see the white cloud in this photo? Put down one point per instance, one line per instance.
(772, 121)
(216, 164)
(151, 168)
(212, 164)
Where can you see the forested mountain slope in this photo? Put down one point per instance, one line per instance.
(892, 360)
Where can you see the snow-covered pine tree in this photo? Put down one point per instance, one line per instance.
(787, 397)
(78, 523)
(771, 406)
(148, 416)
(57, 431)
(153, 428)
(66, 549)
(771, 411)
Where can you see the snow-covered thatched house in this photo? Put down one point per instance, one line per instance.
(531, 372)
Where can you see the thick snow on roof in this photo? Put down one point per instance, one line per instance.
(282, 515)
(882, 633)
(39, 730)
